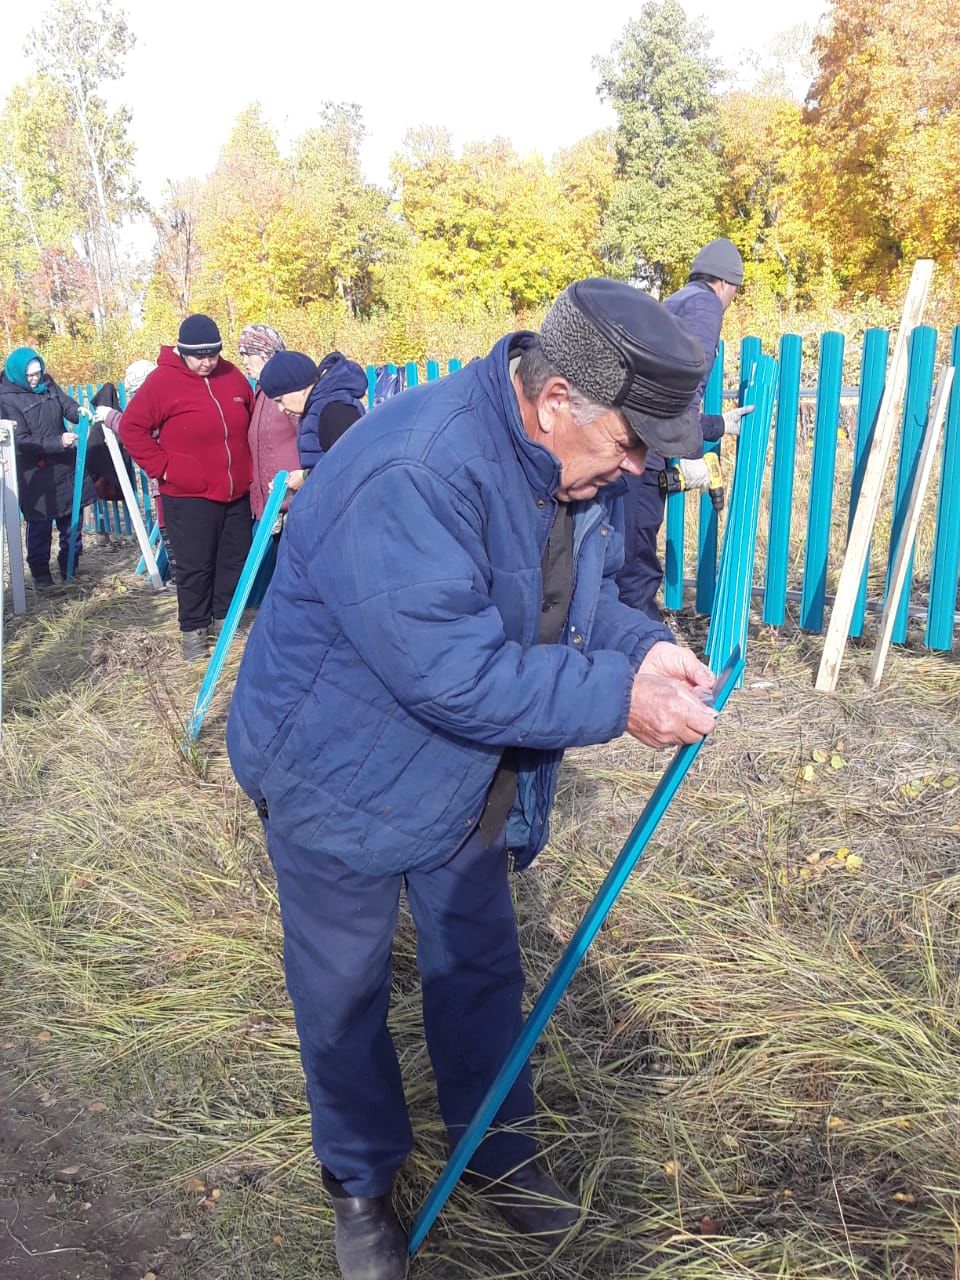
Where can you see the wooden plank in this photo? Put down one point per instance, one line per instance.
(898, 576)
(133, 511)
(858, 545)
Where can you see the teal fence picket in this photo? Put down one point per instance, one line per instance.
(781, 484)
(708, 520)
(820, 510)
(916, 412)
(941, 610)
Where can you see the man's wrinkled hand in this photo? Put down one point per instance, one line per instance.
(677, 663)
(665, 713)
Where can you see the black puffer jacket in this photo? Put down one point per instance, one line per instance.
(45, 469)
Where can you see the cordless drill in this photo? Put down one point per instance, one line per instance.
(671, 480)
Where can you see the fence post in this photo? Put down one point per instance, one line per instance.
(454, 366)
(10, 525)
(413, 373)
(433, 371)
(781, 484)
(873, 377)
(946, 543)
(76, 510)
(820, 509)
(371, 384)
(916, 413)
(707, 517)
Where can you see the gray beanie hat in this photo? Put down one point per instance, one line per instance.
(721, 259)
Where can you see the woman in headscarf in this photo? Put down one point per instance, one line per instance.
(273, 434)
(46, 459)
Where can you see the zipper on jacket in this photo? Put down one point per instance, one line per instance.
(226, 441)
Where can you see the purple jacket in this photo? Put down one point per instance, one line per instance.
(273, 445)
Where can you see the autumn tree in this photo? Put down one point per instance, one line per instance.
(661, 82)
(80, 46)
(884, 112)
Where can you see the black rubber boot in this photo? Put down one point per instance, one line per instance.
(370, 1242)
(193, 645)
(532, 1202)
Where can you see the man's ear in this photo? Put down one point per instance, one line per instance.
(554, 397)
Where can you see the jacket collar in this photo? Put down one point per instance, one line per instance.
(539, 466)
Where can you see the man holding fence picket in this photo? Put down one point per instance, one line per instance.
(443, 622)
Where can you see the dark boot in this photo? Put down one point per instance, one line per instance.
(530, 1200)
(41, 581)
(193, 645)
(370, 1242)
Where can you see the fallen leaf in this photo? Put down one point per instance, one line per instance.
(813, 858)
(819, 755)
(96, 1108)
(834, 1123)
(671, 1168)
(195, 1187)
(837, 762)
(709, 1226)
(806, 873)
(86, 1206)
(216, 1193)
(730, 1142)
(278, 1239)
(151, 1275)
(807, 773)
(842, 853)
(43, 1037)
(949, 781)
(853, 862)
(905, 1197)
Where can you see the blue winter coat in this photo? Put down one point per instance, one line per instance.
(341, 382)
(396, 654)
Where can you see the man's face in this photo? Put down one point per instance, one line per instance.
(203, 365)
(726, 293)
(293, 403)
(590, 456)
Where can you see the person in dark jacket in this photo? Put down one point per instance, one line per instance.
(715, 275)
(46, 459)
(188, 427)
(327, 398)
(443, 622)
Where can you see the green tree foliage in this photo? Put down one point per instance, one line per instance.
(661, 83)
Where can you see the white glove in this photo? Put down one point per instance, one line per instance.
(731, 420)
(100, 414)
(695, 473)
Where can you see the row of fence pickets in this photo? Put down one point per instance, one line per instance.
(939, 610)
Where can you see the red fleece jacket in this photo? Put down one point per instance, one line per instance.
(190, 433)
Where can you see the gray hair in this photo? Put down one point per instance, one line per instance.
(535, 371)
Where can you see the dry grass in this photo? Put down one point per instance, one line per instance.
(755, 1075)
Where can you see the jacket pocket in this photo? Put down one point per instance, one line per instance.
(184, 472)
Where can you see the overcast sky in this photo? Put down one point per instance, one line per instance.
(499, 68)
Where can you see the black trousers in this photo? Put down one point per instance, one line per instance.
(210, 541)
(642, 573)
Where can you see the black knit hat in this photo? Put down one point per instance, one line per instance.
(622, 348)
(287, 371)
(199, 336)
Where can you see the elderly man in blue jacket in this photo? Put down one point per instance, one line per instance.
(442, 623)
(715, 275)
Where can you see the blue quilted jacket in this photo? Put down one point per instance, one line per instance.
(396, 654)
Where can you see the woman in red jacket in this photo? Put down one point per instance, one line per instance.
(187, 427)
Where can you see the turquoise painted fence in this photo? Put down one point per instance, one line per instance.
(810, 485)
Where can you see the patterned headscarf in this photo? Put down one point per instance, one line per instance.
(136, 374)
(261, 340)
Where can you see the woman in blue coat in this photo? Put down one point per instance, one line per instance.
(46, 458)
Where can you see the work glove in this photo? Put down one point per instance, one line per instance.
(695, 473)
(100, 413)
(731, 420)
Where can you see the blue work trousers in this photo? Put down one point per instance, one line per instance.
(338, 930)
(642, 573)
